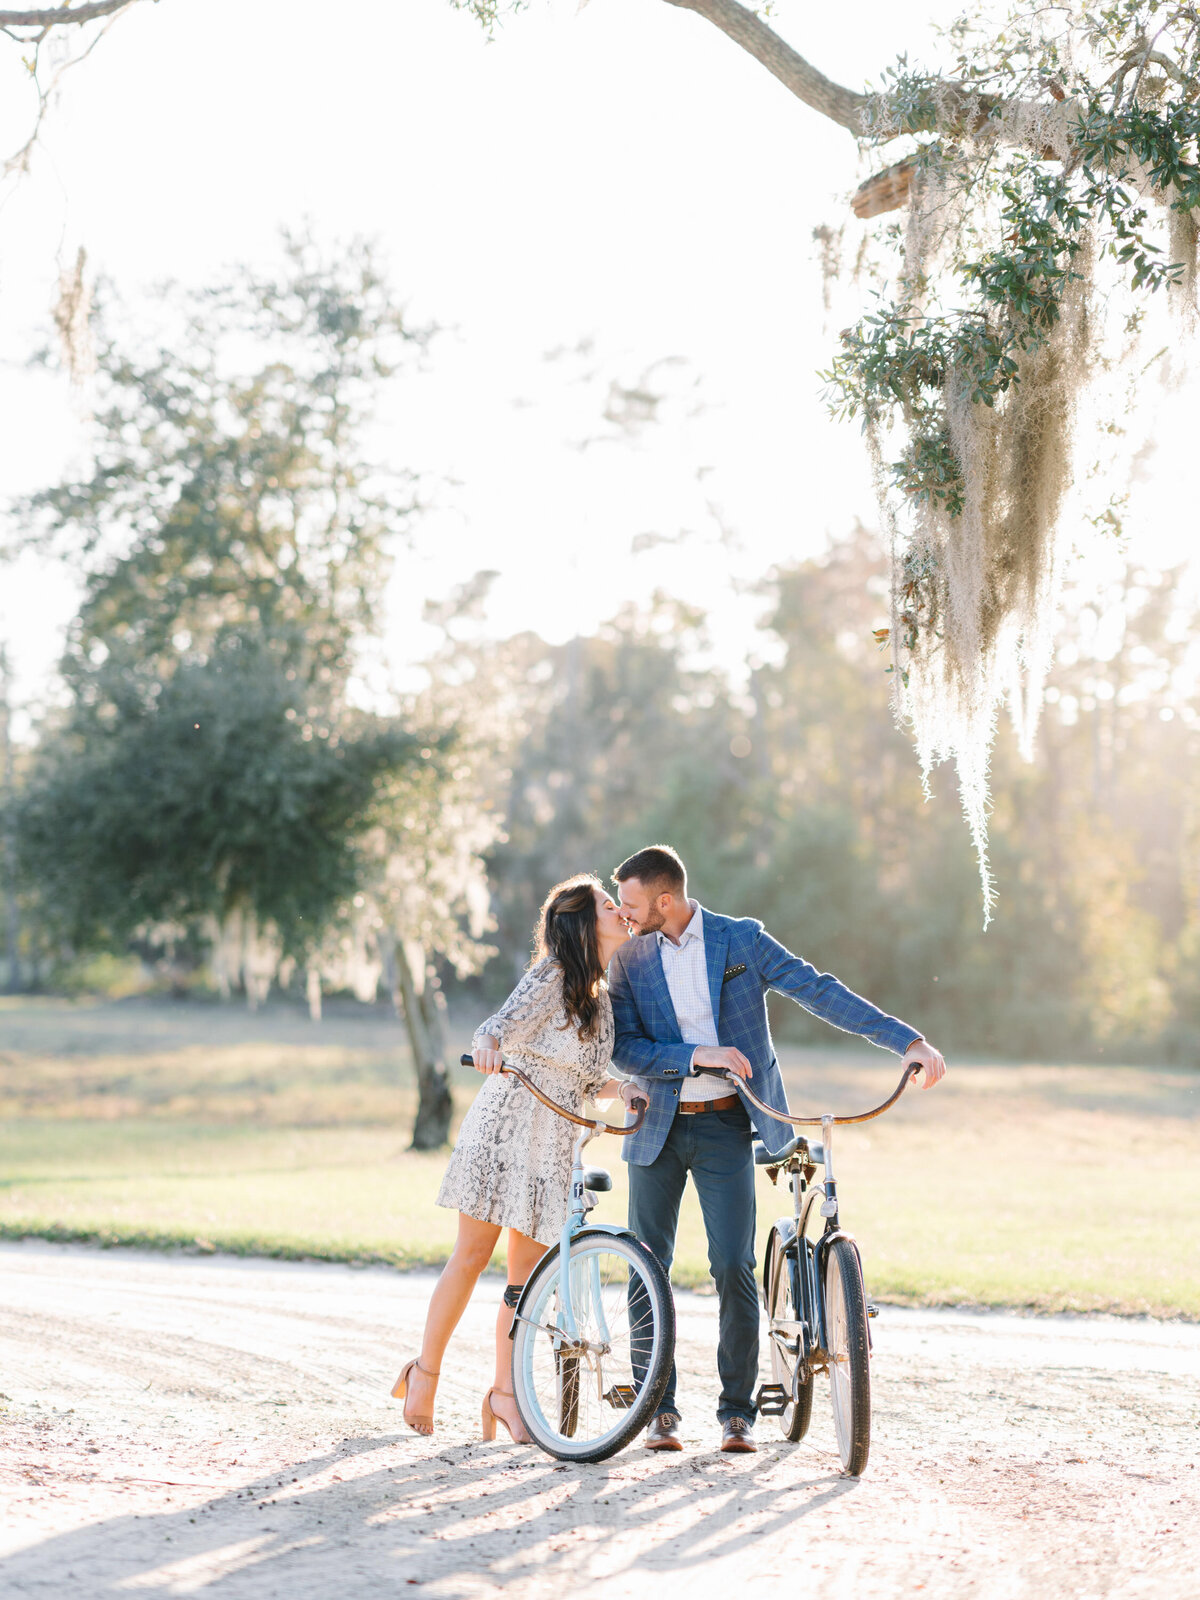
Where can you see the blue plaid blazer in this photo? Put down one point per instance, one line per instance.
(743, 962)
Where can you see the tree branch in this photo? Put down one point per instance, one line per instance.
(841, 105)
(55, 18)
(884, 191)
(962, 111)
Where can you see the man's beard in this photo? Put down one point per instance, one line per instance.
(654, 921)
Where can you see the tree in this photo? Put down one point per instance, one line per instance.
(1049, 169)
(1053, 187)
(211, 768)
(32, 28)
(211, 797)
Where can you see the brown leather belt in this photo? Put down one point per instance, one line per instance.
(692, 1108)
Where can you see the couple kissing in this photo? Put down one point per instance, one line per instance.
(626, 996)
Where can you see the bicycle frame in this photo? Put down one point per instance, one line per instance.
(577, 1210)
(804, 1257)
(576, 1216)
(801, 1255)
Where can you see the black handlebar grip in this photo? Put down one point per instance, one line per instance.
(466, 1061)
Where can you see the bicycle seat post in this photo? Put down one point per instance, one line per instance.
(830, 1208)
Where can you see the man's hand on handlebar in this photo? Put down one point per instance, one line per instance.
(488, 1058)
(725, 1057)
(933, 1067)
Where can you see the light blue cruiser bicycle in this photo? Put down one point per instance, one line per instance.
(594, 1330)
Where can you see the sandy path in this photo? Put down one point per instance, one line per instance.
(174, 1426)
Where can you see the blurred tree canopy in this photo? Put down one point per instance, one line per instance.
(211, 777)
(212, 795)
(1046, 161)
(211, 774)
(793, 799)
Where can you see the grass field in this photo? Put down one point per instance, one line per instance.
(1055, 1188)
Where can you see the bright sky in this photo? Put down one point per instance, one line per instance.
(619, 174)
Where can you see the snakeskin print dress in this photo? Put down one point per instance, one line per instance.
(512, 1162)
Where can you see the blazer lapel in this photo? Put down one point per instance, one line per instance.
(716, 948)
(657, 980)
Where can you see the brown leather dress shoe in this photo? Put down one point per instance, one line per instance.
(737, 1435)
(663, 1433)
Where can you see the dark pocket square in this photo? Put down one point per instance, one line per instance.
(733, 972)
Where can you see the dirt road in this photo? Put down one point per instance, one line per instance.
(175, 1426)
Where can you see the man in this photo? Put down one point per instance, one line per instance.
(690, 991)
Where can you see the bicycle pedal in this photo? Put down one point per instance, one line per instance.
(621, 1396)
(872, 1311)
(771, 1399)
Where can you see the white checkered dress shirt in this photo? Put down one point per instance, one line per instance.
(687, 979)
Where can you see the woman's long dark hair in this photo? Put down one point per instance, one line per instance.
(566, 931)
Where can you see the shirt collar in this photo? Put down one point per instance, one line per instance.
(694, 929)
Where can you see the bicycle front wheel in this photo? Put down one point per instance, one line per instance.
(849, 1355)
(583, 1398)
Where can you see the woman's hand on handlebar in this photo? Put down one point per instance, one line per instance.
(633, 1097)
(488, 1057)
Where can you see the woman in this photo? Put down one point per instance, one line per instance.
(511, 1167)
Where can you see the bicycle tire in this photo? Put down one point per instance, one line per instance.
(540, 1403)
(849, 1349)
(781, 1303)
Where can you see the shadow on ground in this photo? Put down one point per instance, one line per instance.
(469, 1520)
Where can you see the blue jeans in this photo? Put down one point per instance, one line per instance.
(715, 1147)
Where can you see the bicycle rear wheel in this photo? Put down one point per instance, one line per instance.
(849, 1355)
(787, 1345)
(585, 1399)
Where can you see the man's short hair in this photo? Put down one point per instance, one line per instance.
(657, 868)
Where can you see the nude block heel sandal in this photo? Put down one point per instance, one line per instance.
(490, 1418)
(400, 1390)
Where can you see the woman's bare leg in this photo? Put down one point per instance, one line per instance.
(523, 1255)
(472, 1252)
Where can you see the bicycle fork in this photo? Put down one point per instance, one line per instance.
(812, 1341)
(833, 1230)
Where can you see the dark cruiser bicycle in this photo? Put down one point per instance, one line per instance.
(594, 1330)
(818, 1316)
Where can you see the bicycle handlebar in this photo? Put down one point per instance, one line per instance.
(812, 1122)
(583, 1122)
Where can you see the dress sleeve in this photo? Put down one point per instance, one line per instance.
(528, 1009)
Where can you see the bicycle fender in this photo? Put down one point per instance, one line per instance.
(615, 1230)
(785, 1227)
(822, 1249)
(609, 1229)
(823, 1244)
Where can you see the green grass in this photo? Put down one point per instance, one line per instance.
(204, 1127)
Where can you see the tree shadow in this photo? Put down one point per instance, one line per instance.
(505, 1516)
